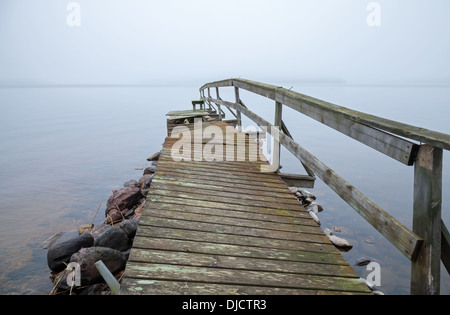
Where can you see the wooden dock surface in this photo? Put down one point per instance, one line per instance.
(225, 228)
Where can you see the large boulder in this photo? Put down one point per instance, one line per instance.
(146, 180)
(150, 170)
(129, 227)
(123, 199)
(154, 157)
(129, 183)
(114, 216)
(114, 238)
(59, 254)
(114, 260)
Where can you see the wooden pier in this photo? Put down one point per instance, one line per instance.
(215, 228)
(222, 226)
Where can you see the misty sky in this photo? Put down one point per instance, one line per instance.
(172, 41)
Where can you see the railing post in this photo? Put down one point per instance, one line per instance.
(218, 105)
(425, 271)
(209, 96)
(238, 113)
(277, 144)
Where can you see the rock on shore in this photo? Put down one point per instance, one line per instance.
(59, 254)
(123, 199)
(114, 260)
(110, 242)
(114, 238)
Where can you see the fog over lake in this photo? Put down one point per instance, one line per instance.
(85, 86)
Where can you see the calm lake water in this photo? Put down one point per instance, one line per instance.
(63, 150)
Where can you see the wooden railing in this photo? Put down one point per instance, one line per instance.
(429, 241)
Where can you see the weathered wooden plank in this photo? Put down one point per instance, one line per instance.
(239, 251)
(222, 155)
(177, 173)
(186, 154)
(320, 245)
(247, 165)
(230, 167)
(230, 157)
(221, 184)
(260, 89)
(208, 215)
(250, 190)
(162, 185)
(227, 173)
(214, 148)
(234, 145)
(241, 263)
(240, 277)
(247, 178)
(305, 233)
(210, 148)
(425, 271)
(222, 83)
(222, 206)
(186, 114)
(205, 218)
(211, 158)
(158, 287)
(204, 131)
(175, 129)
(229, 201)
(201, 129)
(295, 180)
(223, 172)
(227, 136)
(231, 213)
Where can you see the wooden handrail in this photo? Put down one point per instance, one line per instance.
(429, 241)
(400, 236)
(287, 97)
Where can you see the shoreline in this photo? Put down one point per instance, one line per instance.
(110, 241)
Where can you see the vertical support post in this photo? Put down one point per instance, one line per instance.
(238, 113)
(209, 96)
(206, 102)
(218, 105)
(445, 247)
(425, 271)
(277, 145)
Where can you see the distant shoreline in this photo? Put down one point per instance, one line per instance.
(418, 85)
